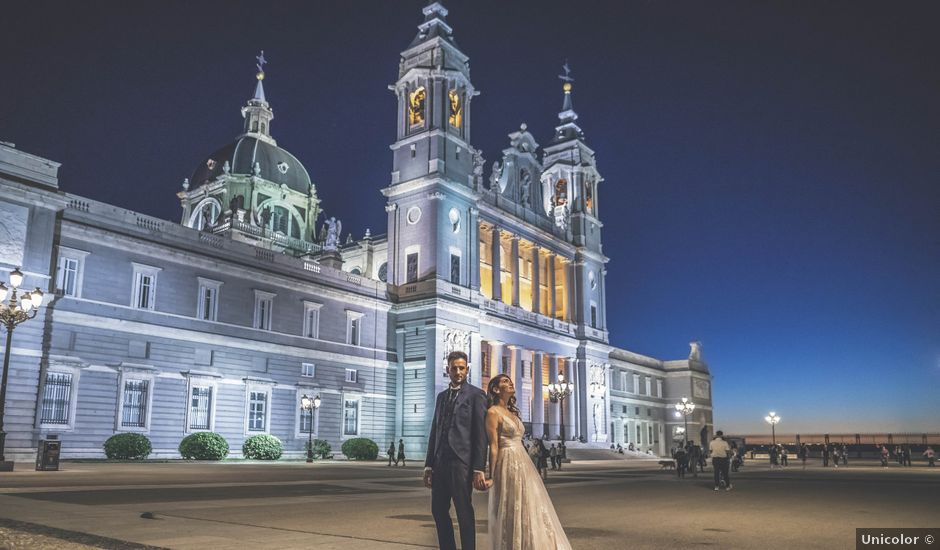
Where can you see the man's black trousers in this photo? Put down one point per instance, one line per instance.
(451, 480)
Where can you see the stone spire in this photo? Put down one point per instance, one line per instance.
(257, 113)
(434, 25)
(567, 129)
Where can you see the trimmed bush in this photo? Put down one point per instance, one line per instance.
(262, 447)
(204, 446)
(128, 445)
(321, 448)
(360, 448)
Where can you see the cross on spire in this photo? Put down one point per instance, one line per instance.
(566, 78)
(261, 63)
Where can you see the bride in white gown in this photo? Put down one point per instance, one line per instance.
(521, 515)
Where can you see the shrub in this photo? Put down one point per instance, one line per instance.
(128, 445)
(204, 446)
(262, 447)
(321, 448)
(360, 448)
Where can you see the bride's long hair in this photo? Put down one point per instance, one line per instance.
(492, 398)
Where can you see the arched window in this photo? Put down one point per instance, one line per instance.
(356, 271)
(383, 272)
(283, 220)
(205, 214)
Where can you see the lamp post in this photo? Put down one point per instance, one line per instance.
(12, 313)
(558, 392)
(685, 408)
(773, 419)
(310, 405)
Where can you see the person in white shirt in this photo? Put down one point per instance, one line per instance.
(720, 452)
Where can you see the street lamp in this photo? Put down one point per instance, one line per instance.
(12, 313)
(685, 408)
(773, 419)
(558, 392)
(310, 405)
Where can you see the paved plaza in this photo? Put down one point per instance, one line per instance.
(603, 504)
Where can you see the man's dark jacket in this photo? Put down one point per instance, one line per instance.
(467, 436)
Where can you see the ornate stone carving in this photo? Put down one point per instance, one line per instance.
(695, 351)
(13, 220)
(455, 340)
(525, 181)
(495, 174)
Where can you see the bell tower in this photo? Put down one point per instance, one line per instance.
(570, 182)
(435, 170)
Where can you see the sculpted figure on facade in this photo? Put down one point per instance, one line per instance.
(695, 353)
(333, 229)
(477, 169)
(526, 180)
(455, 340)
(495, 174)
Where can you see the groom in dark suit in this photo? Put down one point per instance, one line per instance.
(456, 454)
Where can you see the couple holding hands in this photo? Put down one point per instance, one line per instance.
(476, 443)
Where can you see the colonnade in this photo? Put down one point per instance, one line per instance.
(532, 371)
(523, 274)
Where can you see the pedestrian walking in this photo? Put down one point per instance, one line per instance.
(693, 451)
(773, 456)
(845, 455)
(719, 449)
(835, 457)
(553, 455)
(391, 453)
(884, 457)
(906, 453)
(561, 453)
(784, 456)
(682, 462)
(804, 454)
(931, 457)
(825, 454)
(401, 453)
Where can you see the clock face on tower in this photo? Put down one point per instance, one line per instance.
(416, 101)
(456, 109)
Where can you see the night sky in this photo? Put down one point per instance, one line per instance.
(772, 169)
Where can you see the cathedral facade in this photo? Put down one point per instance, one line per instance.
(223, 322)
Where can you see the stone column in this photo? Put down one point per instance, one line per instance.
(572, 313)
(496, 358)
(473, 248)
(571, 408)
(535, 280)
(400, 382)
(497, 267)
(514, 269)
(551, 284)
(554, 417)
(476, 359)
(538, 399)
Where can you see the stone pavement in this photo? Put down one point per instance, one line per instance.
(603, 504)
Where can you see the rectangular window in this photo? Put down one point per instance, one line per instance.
(56, 398)
(200, 404)
(639, 432)
(353, 327)
(257, 409)
(352, 375)
(264, 305)
(412, 270)
(649, 382)
(623, 381)
(636, 384)
(307, 369)
(311, 320)
(208, 306)
(593, 316)
(69, 276)
(350, 417)
(624, 409)
(649, 432)
(69, 284)
(659, 388)
(636, 410)
(134, 409)
(306, 421)
(145, 286)
(455, 269)
(649, 412)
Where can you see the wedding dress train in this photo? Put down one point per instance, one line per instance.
(521, 515)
